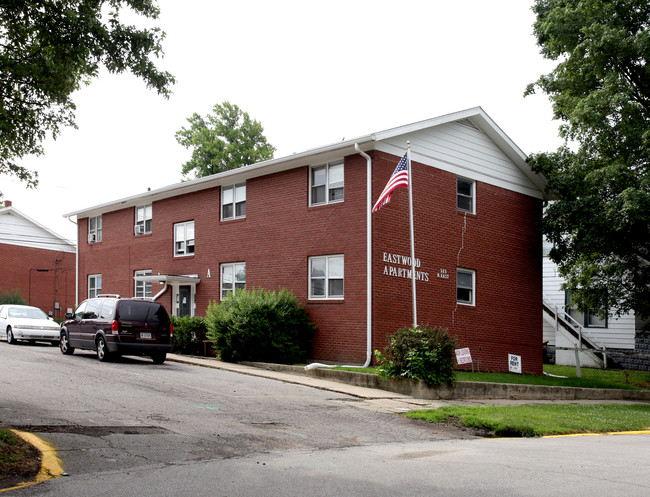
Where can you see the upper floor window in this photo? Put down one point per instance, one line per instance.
(95, 229)
(233, 201)
(326, 277)
(94, 285)
(326, 183)
(233, 276)
(465, 284)
(143, 217)
(184, 238)
(143, 288)
(465, 195)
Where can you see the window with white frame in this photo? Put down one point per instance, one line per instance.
(233, 277)
(465, 285)
(233, 201)
(95, 229)
(465, 189)
(143, 288)
(143, 218)
(326, 183)
(94, 285)
(184, 239)
(326, 277)
(589, 318)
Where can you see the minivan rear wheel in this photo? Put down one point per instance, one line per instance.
(102, 351)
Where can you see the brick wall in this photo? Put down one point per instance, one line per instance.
(42, 276)
(499, 242)
(281, 231)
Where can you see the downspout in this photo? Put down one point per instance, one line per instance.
(76, 264)
(157, 296)
(368, 254)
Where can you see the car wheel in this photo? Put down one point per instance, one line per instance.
(159, 358)
(10, 335)
(64, 344)
(102, 351)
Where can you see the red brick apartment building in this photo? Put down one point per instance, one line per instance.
(303, 222)
(37, 262)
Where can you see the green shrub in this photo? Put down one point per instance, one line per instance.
(260, 325)
(12, 297)
(420, 353)
(189, 333)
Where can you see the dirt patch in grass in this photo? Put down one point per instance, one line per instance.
(455, 423)
(19, 462)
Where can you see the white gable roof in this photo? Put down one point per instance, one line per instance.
(467, 143)
(18, 229)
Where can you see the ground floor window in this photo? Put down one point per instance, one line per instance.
(233, 276)
(143, 288)
(589, 318)
(94, 285)
(465, 284)
(326, 277)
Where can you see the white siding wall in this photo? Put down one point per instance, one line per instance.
(18, 230)
(461, 148)
(619, 333)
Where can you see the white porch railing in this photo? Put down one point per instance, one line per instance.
(560, 314)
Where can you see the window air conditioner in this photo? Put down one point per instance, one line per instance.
(138, 229)
(92, 237)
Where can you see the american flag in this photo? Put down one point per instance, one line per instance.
(400, 177)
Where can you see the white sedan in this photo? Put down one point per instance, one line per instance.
(23, 322)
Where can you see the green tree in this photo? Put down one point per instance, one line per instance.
(226, 139)
(48, 49)
(599, 226)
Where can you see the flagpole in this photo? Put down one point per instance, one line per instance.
(410, 177)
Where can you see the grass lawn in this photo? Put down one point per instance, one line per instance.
(534, 420)
(591, 378)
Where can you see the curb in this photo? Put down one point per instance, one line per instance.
(50, 462)
(462, 390)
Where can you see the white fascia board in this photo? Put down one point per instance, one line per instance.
(309, 157)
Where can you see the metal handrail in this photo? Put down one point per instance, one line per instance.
(568, 319)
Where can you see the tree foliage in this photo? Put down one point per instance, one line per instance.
(226, 139)
(48, 49)
(600, 89)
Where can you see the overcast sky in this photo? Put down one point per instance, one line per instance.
(312, 73)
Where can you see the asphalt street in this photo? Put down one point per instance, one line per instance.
(135, 428)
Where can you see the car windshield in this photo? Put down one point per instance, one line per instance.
(27, 312)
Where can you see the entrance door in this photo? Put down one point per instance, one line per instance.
(184, 300)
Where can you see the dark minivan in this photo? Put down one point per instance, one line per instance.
(113, 326)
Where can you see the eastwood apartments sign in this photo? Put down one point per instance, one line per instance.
(399, 266)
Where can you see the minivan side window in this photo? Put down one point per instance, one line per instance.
(108, 306)
(92, 310)
(80, 310)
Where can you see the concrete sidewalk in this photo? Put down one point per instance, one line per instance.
(405, 395)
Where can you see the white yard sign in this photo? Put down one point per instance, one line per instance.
(463, 356)
(514, 363)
